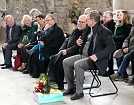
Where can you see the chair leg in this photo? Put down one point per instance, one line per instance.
(103, 94)
(98, 83)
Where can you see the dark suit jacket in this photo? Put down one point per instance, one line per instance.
(103, 47)
(52, 42)
(70, 43)
(15, 34)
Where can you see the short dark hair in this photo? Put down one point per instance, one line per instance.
(41, 16)
(95, 15)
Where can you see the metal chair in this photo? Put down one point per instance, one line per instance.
(96, 78)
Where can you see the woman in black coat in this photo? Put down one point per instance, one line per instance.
(122, 30)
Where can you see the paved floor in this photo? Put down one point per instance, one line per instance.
(17, 89)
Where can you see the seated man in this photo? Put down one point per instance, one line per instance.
(94, 53)
(51, 45)
(68, 48)
(13, 33)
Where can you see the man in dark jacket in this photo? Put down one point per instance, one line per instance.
(13, 33)
(68, 48)
(110, 24)
(51, 44)
(95, 52)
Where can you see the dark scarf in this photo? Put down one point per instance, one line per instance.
(106, 23)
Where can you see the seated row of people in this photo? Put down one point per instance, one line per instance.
(89, 46)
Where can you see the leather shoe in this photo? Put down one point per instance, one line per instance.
(25, 72)
(6, 66)
(2, 64)
(69, 91)
(77, 96)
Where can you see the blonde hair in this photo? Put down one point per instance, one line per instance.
(26, 17)
(126, 17)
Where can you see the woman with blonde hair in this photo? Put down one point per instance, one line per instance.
(27, 35)
(121, 32)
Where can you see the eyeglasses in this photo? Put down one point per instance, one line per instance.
(88, 19)
(105, 17)
(80, 22)
(48, 20)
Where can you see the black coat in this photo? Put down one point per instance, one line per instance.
(56, 72)
(111, 25)
(122, 33)
(103, 47)
(70, 43)
(52, 44)
(15, 34)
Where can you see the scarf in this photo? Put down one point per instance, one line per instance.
(116, 28)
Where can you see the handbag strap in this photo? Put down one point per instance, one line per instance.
(40, 55)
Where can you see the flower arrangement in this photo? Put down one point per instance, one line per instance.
(44, 85)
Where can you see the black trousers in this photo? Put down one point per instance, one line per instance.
(7, 53)
(35, 66)
(110, 65)
(56, 71)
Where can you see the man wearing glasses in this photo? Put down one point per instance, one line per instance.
(95, 49)
(68, 48)
(51, 44)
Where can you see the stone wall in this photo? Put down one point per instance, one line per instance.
(60, 7)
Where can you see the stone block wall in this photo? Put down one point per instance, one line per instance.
(60, 7)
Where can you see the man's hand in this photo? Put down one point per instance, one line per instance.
(64, 52)
(125, 50)
(79, 41)
(4, 45)
(93, 57)
(20, 45)
(42, 43)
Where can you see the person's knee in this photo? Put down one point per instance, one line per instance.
(77, 65)
(8, 47)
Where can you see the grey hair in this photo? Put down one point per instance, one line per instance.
(35, 12)
(87, 10)
(110, 13)
(26, 17)
(9, 16)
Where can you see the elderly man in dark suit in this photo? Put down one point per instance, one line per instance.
(13, 32)
(68, 48)
(95, 48)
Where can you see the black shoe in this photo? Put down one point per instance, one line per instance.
(77, 96)
(7, 66)
(2, 64)
(25, 72)
(61, 87)
(69, 91)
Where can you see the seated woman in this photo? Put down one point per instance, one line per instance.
(68, 48)
(121, 32)
(127, 48)
(27, 35)
(41, 24)
(51, 45)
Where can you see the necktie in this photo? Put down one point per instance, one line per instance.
(10, 30)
